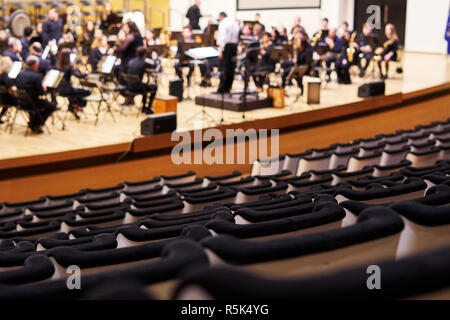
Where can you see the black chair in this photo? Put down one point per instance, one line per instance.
(133, 81)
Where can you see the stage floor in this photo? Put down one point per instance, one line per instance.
(421, 71)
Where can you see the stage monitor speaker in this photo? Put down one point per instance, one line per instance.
(372, 89)
(159, 123)
(176, 89)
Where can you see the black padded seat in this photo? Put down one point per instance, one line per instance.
(423, 146)
(284, 174)
(440, 134)
(422, 171)
(154, 197)
(320, 174)
(411, 133)
(444, 153)
(141, 185)
(147, 192)
(41, 231)
(20, 247)
(365, 151)
(183, 185)
(8, 214)
(307, 219)
(317, 152)
(344, 176)
(133, 215)
(394, 155)
(443, 142)
(134, 235)
(358, 163)
(412, 188)
(175, 257)
(24, 205)
(291, 161)
(426, 227)
(98, 242)
(424, 276)
(369, 143)
(308, 163)
(197, 202)
(96, 193)
(263, 201)
(35, 268)
(56, 212)
(304, 183)
(435, 178)
(424, 158)
(211, 187)
(153, 203)
(326, 189)
(183, 178)
(419, 139)
(374, 236)
(248, 194)
(243, 182)
(282, 201)
(381, 171)
(104, 221)
(164, 217)
(101, 199)
(346, 147)
(83, 215)
(363, 182)
(340, 158)
(268, 167)
(236, 175)
(55, 200)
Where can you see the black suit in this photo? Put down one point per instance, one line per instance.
(137, 66)
(11, 54)
(31, 81)
(51, 30)
(44, 66)
(194, 16)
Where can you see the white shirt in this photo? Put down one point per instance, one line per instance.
(228, 32)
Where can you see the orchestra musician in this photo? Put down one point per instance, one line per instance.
(150, 39)
(6, 99)
(14, 49)
(297, 24)
(99, 49)
(320, 36)
(228, 40)
(30, 80)
(66, 89)
(265, 63)
(365, 46)
(303, 56)
(138, 66)
(258, 31)
(129, 44)
(336, 46)
(186, 38)
(194, 15)
(389, 51)
(44, 64)
(88, 36)
(52, 28)
(26, 41)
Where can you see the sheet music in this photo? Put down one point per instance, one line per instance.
(203, 53)
(51, 79)
(108, 65)
(15, 70)
(46, 52)
(73, 56)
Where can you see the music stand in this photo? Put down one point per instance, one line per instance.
(297, 72)
(51, 81)
(15, 70)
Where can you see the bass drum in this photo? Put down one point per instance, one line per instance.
(18, 22)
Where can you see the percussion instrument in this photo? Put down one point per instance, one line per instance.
(20, 20)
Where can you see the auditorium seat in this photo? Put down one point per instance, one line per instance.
(132, 187)
(98, 242)
(308, 163)
(291, 161)
(133, 215)
(183, 178)
(197, 183)
(393, 156)
(424, 158)
(103, 221)
(266, 167)
(343, 176)
(412, 188)
(35, 268)
(143, 192)
(417, 277)
(358, 163)
(194, 203)
(304, 182)
(235, 176)
(248, 194)
(375, 235)
(341, 158)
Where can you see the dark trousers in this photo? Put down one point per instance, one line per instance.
(148, 92)
(228, 68)
(207, 67)
(76, 96)
(179, 69)
(39, 117)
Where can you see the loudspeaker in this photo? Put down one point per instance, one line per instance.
(159, 123)
(372, 89)
(176, 89)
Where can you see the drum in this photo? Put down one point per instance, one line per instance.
(18, 22)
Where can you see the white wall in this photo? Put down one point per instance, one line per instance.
(335, 10)
(426, 23)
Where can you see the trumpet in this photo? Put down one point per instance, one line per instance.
(316, 38)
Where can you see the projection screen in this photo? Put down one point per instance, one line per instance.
(276, 4)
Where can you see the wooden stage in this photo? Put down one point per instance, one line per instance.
(103, 155)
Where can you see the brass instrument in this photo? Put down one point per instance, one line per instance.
(316, 38)
(380, 50)
(351, 48)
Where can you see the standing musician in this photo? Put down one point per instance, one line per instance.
(137, 66)
(389, 51)
(75, 95)
(194, 15)
(31, 81)
(302, 57)
(52, 28)
(128, 46)
(365, 46)
(227, 41)
(186, 38)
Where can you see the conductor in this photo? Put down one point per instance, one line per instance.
(228, 40)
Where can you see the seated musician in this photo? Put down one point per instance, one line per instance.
(283, 34)
(246, 33)
(302, 57)
(265, 63)
(390, 49)
(100, 49)
(365, 46)
(30, 79)
(14, 49)
(258, 31)
(322, 34)
(75, 95)
(26, 41)
(88, 37)
(109, 18)
(137, 66)
(150, 39)
(336, 46)
(187, 38)
(44, 65)
(6, 100)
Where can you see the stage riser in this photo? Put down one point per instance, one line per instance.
(233, 102)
